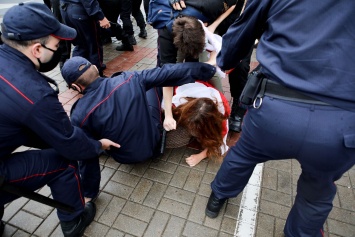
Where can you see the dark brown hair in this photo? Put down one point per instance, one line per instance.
(201, 117)
(189, 36)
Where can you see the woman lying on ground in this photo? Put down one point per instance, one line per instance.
(202, 111)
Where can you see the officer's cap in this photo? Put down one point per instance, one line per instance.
(71, 69)
(29, 21)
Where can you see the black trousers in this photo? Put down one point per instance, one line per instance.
(137, 13)
(238, 77)
(64, 45)
(112, 9)
(146, 8)
(87, 42)
(129, 7)
(126, 11)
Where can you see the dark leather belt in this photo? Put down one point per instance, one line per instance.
(276, 90)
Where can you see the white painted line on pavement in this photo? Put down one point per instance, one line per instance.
(248, 210)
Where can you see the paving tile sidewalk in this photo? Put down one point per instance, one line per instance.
(166, 197)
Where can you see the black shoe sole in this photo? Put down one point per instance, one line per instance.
(119, 48)
(211, 214)
(83, 223)
(143, 36)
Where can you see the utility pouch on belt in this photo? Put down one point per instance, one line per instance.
(252, 87)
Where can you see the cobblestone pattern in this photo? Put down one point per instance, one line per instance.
(165, 197)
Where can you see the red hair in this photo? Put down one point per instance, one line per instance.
(201, 117)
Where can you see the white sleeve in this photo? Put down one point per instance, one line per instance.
(199, 90)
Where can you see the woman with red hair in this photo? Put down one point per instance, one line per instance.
(201, 110)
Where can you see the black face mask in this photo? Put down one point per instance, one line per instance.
(52, 63)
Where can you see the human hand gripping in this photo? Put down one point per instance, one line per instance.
(106, 144)
(104, 23)
(169, 123)
(178, 4)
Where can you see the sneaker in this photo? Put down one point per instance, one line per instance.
(214, 205)
(132, 40)
(143, 33)
(76, 227)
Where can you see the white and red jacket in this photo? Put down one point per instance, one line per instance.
(201, 89)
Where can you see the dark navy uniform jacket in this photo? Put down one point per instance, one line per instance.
(117, 108)
(30, 111)
(291, 38)
(92, 7)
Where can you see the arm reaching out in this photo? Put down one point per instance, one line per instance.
(218, 21)
(212, 59)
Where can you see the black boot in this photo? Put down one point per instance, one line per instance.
(125, 46)
(76, 227)
(214, 205)
(236, 118)
(143, 33)
(132, 40)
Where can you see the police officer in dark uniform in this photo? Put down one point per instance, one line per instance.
(86, 17)
(112, 9)
(65, 45)
(31, 115)
(305, 108)
(125, 108)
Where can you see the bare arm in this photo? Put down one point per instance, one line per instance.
(169, 121)
(218, 21)
(212, 59)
